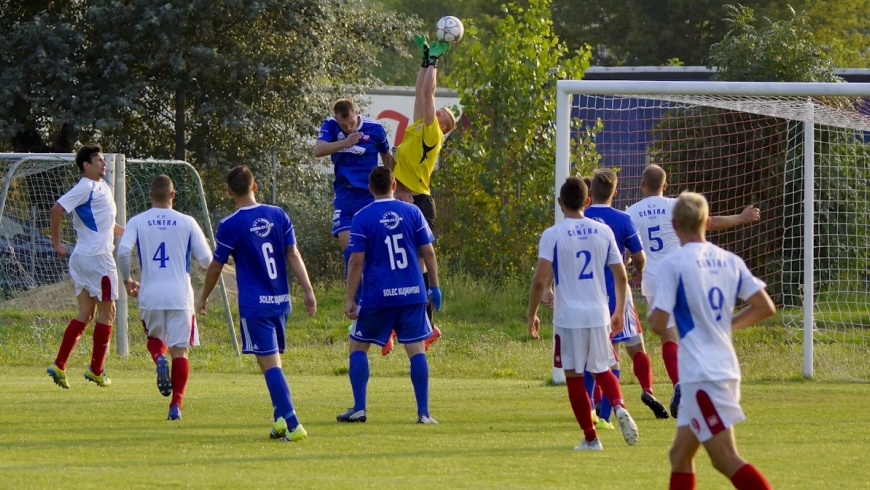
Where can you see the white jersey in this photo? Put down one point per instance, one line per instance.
(699, 286)
(92, 206)
(165, 240)
(653, 217)
(580, 249)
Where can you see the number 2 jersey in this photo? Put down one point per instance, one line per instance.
(255, 237)
(699, 285)
(580, 249)
(388, 232)
(164, 239)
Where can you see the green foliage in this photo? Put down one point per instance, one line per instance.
(759, 161)
(497, 173)
(781, 51)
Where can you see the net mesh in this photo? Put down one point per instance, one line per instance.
(739, 151)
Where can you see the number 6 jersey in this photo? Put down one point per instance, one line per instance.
(388, 232)
(164, 240)
(699, 285)
(256, 237)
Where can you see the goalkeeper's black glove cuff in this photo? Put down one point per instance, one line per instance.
(433, 61)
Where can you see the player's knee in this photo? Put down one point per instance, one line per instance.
(679, 456)
(726, 462)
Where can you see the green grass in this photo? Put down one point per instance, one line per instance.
(493, 433)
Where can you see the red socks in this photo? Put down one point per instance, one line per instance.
(156, 347)
(180, 373)
(669, 354)
(580, 404)
(682, 481)
(70, 338)
(610, 386)
(749, 478)
(643, 371)
(102, 334)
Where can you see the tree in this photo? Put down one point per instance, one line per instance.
(497, 172)
(759, 160)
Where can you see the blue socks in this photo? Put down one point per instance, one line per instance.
(279, 390)
(606, 407)
(420, 380)
(358, 371)
(589, 384)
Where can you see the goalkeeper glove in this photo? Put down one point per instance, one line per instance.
(436, 50)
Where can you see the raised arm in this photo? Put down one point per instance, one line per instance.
(425, 95)
(750, 213)
(298, 266)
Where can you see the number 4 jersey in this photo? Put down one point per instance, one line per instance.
(256, 237)
(388, 232)
(580, 249)
(165, 240)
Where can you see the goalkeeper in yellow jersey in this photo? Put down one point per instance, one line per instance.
(417, 153)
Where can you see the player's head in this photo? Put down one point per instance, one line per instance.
(446, 119)
(653, 180)
(691, 214)
(92, 157)
(347, 115)
(603, 185)
(381, 182)
(574, 194)
(240, 181)
(162, 189)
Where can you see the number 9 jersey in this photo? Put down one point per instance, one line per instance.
(388, 232)
(699, 286)
(256, 237)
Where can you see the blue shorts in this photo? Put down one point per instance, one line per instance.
(375, 325)
(346, 205)
(263, 336)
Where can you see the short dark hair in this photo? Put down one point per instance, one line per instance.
(654, 177)
(588, 182)
(343, 108)
(85, 154)
(381, 180)
(603, 184)
(573, 193)
(240, 180)
(161, 188)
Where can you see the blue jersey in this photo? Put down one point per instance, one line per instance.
(353, 165)
(388, 232)
(256, 237)
(627, 238)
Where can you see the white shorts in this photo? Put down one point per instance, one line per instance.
(650, 300)
(631, 333)
(583, 348)
(709, 407)
(97, 274)
(176, 328)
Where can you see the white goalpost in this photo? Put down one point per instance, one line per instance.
(31, 274)
(798, 151)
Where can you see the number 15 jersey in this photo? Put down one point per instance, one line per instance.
(580, 249)
(256, 237)
(388, 232)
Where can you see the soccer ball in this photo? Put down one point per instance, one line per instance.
(449, 29)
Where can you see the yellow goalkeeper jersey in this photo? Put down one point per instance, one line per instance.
(417, 154)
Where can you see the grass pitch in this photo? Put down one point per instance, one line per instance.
(493, 433)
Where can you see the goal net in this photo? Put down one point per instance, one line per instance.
(745, 144)
(32, 276)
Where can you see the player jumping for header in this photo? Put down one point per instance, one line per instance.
(699, 285)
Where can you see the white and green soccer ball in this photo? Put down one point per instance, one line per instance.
(449, 29)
